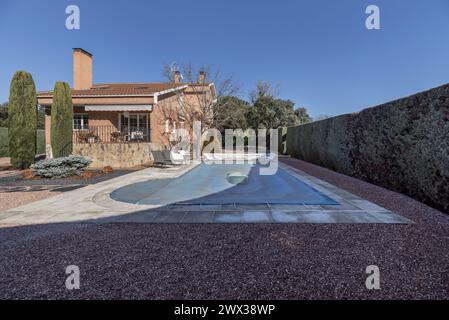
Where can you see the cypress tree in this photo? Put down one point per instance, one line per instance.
(61, 120)
(22, 119)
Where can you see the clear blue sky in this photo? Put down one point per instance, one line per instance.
(318, 52)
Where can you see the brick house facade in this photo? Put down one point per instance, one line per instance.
(120, 112)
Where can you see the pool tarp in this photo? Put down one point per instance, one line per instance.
(206, 184)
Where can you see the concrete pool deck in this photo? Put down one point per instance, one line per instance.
(93, 204)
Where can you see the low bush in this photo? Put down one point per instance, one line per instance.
(27, 174)
(61, 167)
(108, 169)
(87, 175)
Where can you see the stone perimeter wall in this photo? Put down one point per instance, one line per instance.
(116, 155)
(401, 145)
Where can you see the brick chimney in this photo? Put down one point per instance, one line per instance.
(82, 69)
(177, 77)
(202, 76)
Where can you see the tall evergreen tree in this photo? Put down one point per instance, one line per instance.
(22, 120)
(61, 120)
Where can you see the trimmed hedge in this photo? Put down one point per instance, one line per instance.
(401, 145)
(61, 167)
(4, 142)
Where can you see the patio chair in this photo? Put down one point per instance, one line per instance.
(166, 157)
(117, 136)
(158, 158)
(177, 157)
(137, 136)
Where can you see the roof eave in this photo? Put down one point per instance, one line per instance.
(158, 93)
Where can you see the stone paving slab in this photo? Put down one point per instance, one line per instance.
(312, 217)
(88, 204)
(198, 217)
(228, 217)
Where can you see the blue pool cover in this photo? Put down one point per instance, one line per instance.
(207, 184)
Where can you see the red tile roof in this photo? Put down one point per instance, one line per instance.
(120, 89)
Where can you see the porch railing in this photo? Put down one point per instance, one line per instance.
(109, 134)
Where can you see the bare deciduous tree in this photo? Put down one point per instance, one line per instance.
(201, 93)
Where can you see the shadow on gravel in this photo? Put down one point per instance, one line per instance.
(222, 261)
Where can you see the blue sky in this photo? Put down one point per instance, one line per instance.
(318, 53)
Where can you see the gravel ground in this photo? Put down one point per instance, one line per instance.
(9, 200)
(15, 191)
(297, 261)
(13, 177)
(16, 180)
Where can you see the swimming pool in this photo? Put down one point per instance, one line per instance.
(215, 184)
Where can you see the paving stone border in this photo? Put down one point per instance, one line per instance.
(351, 209)
(92, 204)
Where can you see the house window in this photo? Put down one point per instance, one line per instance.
(80, 121)
(134, 126)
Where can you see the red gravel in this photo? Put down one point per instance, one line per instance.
(297, 261)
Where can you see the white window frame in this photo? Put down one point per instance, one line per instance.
(83, 128)
(129, 114)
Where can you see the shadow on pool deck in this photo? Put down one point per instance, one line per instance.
(348, 208)
(289, 196)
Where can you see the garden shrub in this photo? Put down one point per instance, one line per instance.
(22, 120)
(27, 174)
(4, 148)
(4, 142)
(108, 169)
(61, 167)
(61, 121)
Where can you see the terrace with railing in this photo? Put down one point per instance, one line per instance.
(109, 134)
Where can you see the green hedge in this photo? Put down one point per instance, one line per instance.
(401, 145)
(4, 142)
